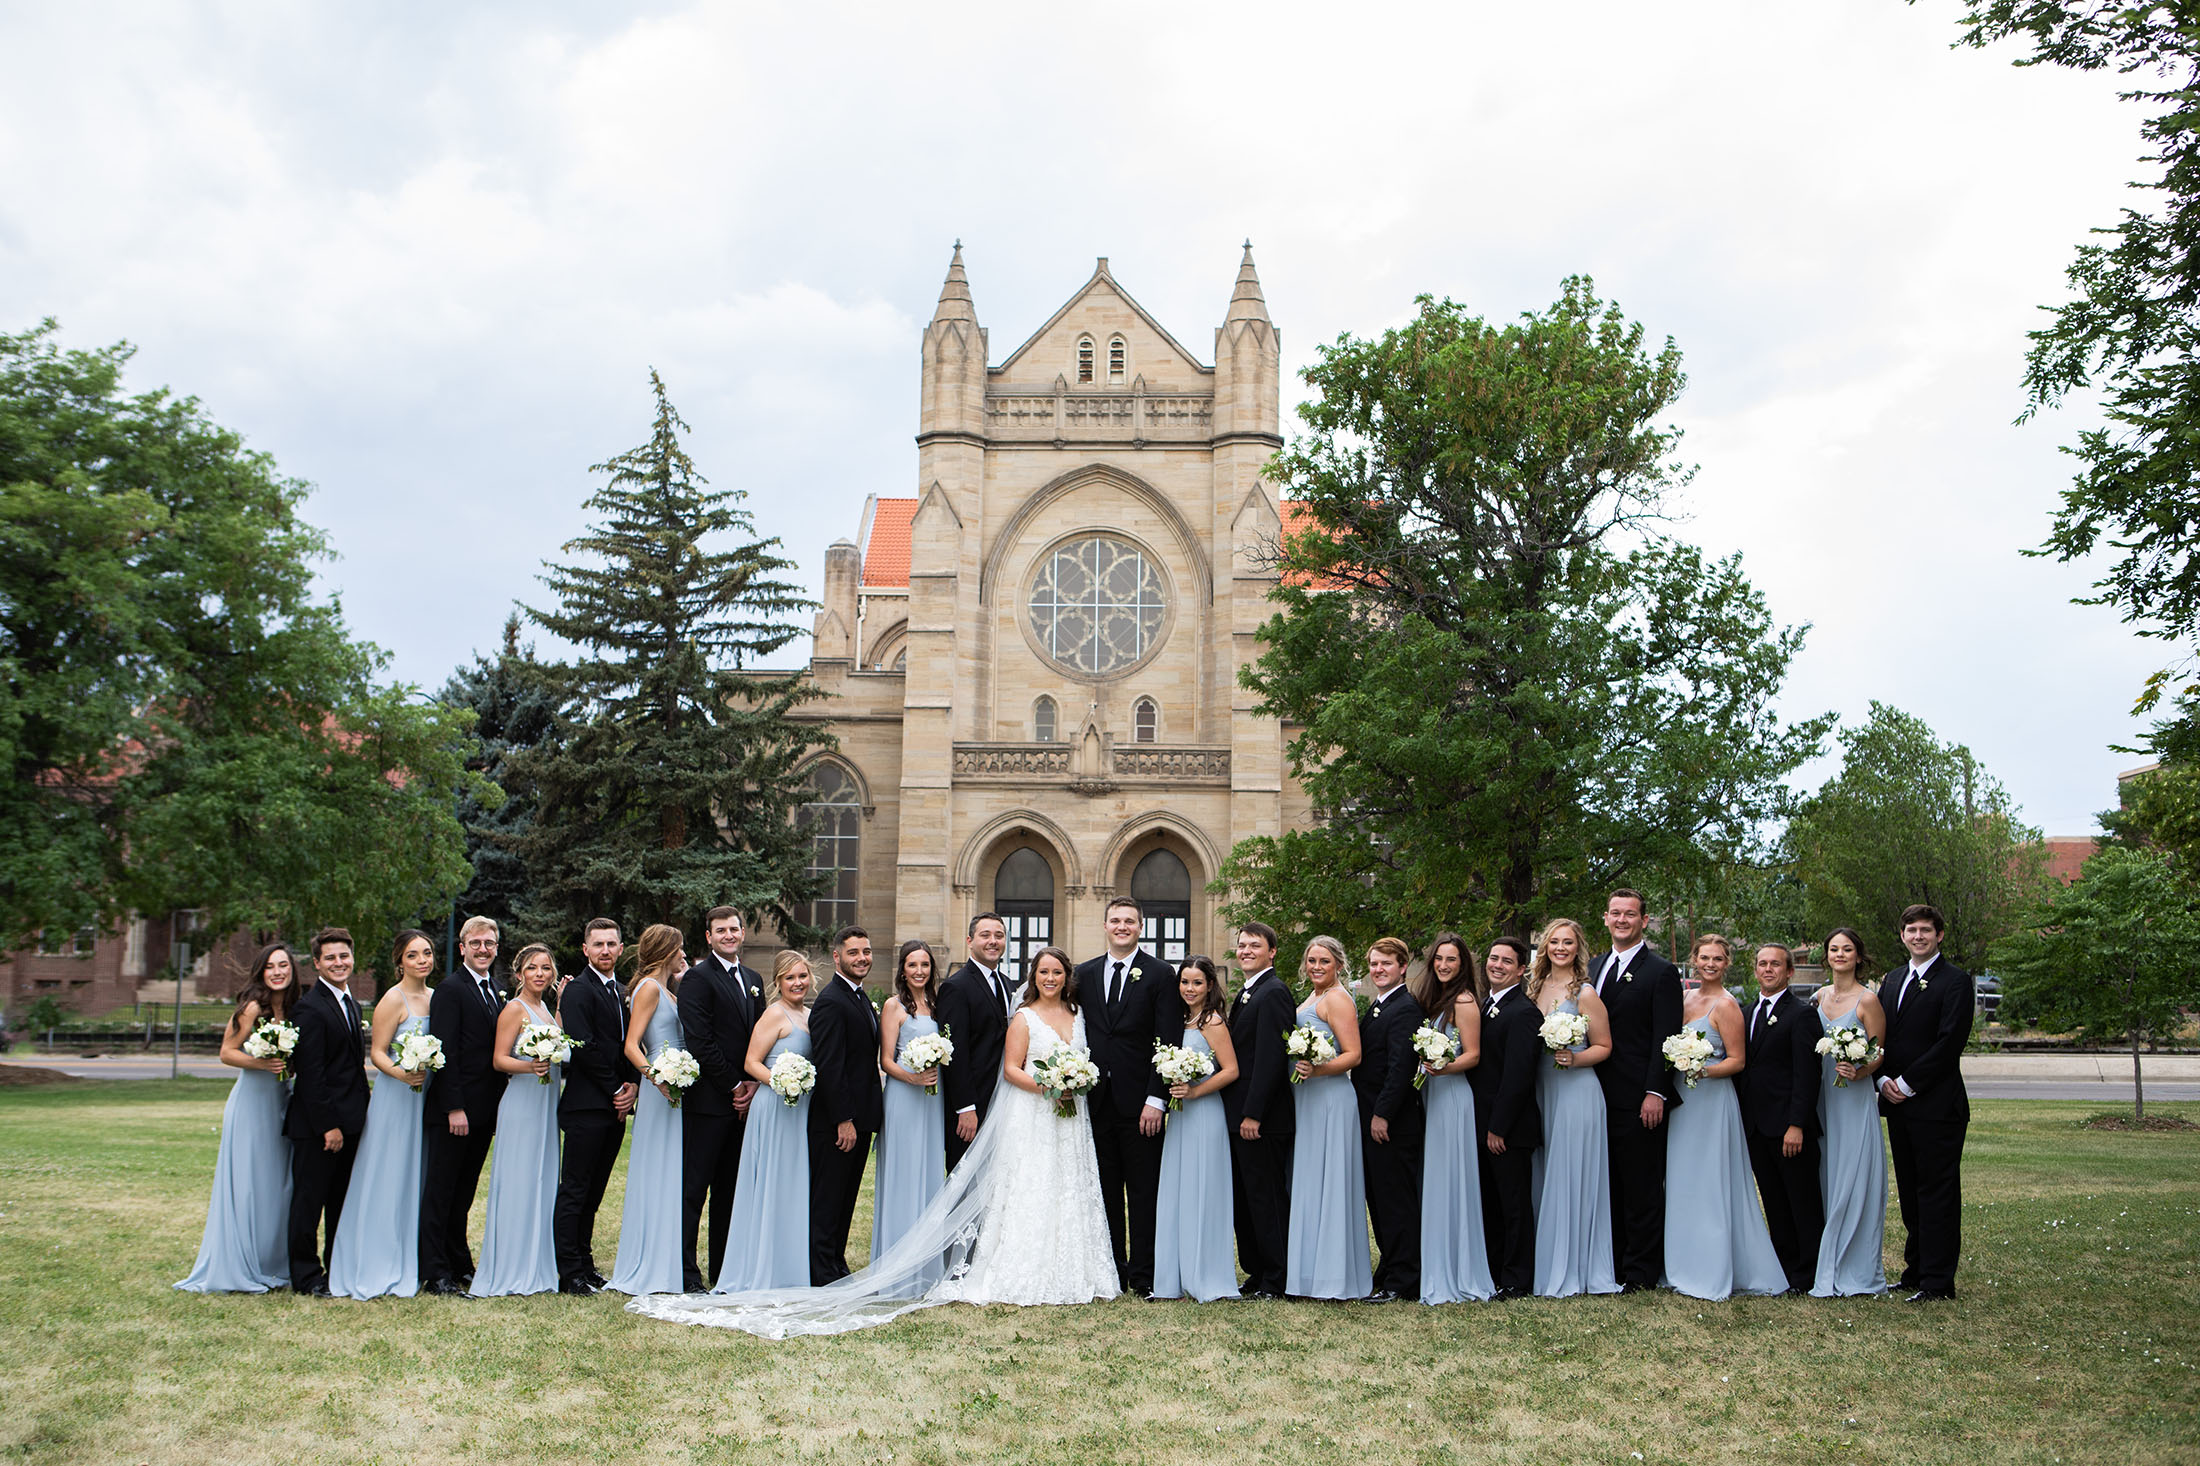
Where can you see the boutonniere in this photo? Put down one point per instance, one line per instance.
(1771, 1018)
(755, 991)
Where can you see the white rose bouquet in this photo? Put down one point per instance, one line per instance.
(676, 1070)
(1563, 1030)
(1181, 1064)
(1309, 1043)
(929, 1051)
(545, 1043)
(1436, 1046)
(1066, 1073)
(1689, 1053)
(272, 1038)
(793, 1076)
(1847, 1045)
(417, 1053)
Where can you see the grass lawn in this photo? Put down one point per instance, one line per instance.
(2077, 1338)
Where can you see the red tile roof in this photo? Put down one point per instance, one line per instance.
(886, 553)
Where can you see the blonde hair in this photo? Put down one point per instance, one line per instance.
(1539, 971)
(1711, 939)
(653, 954)
(1335, 949)
(520, 960)
(787, 961)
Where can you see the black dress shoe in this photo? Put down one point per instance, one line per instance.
(446, 1288)
(466, 1279)
(1383, 1295)
(595, 1280)
(319, 1289)
(1504, 1293)
(578, 1287)
(1932, 1295)
(1261, 1293)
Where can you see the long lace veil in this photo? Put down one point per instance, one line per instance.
(938, 1247)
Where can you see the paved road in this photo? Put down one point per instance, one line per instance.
(2046, 1089)
(133, 1066)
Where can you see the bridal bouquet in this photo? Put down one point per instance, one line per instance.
(1066, 1073)
(1564, 1030)
(417, 1053)
(1181, 1065)
(545, 1043)
(271, 1038)
(929, 1051)
(1690, 1053)
(1309, 1043)
(793, 1076)
(1435, 1046)
(675, 1069)
(1848, 1046)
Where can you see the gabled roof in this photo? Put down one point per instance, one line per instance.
(1101, 276)
(886, 544)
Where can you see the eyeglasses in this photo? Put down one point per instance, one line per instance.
(488, 942)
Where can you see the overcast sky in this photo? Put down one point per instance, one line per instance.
(426, 254)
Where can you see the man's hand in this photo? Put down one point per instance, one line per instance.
(457, 1121)
(622, 1099)
(1791, 1144)
(1248, 1128)
(742, 1094)
(1149, 1121)
(1653, 1111)
(1494, 1143)
(333, 1141)
(1378, 1130)
(845, 1137)
(966, 1126)
(1889, 1093)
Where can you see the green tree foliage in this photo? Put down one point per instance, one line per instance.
(515, 709)
(1910, 819)
(673, 779)
(1511, 692)
(2111, 955)
(2130, 330)
(185, 724)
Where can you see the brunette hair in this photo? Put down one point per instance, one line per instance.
(329, 936)
(1629, 893)
(405, 939)
(993, 916)
(902, 989)
(719, 913)
(599, 924)
(841, 937)
(1210, 1004)
(1539, 971)
(1922, 912)
(1394, 949)
(1069, 976)
(1856, 938)
(1335, 949)
(519, 960)
(1264, 931)
(1130, 901)
(1787, 953)
(659, 944)
(1437, 999)
(787, 961)
(273, 1004)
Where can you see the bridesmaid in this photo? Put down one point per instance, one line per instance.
(1853, 1165)
(1573, 1179)
(912, 1142)
(1716, 1244)
(1327, 1255)
(771, 1196)
(1455, 1260)
(245, 1248)
(517, 1253)
(649, 1221)
(377, 1247)
(1194, 1255)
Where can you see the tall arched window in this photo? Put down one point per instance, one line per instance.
(1163, 889)
(1119, 361)
(1084, 361)
(1043, 720)
(834, 816)
(1023, 894)
(1145, 721)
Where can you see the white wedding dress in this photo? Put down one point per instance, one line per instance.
(1019, 1221)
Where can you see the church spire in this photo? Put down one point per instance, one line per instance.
(1246, 302)
(955, 302)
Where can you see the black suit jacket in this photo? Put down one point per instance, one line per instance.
(1262, 1090)
(469, 1079)
(1384, 1081)
(1643, 1006)
(1926, 1032)
(844, 1047)
(1504, 1080)
(1778, 1085)
(595, 1017)
(718, 1011)
(970, 1014)
(1122, 1037)
(328, 1070)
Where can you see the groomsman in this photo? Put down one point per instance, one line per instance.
(975, 1002)
(1259, 1110)
(1130, 1002)
(1779, 1094)
(1642, 1002)
(460, 1112)
(1512, 1125)
(719, 1002)
(600, 1087)
(328, 1108)
(1391, 1123)
(847, 1104)
(1930, 1005)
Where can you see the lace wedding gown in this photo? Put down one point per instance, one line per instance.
(1019, 1221)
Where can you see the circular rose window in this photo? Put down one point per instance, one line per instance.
(1097, 605)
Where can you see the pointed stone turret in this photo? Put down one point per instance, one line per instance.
(1246, 302)
(1248, 361)
(953, 390)
(955, 302)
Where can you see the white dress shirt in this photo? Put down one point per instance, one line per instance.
(1497, 995)
(1901, 1085)
(1616, 964)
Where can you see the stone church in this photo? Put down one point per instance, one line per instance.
(1033, 660)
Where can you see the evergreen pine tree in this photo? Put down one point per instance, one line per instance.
(672, 781)
(515, 709)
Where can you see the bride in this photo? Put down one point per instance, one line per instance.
(1019, 1221)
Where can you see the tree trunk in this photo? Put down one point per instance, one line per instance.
(673, 826)
(2138, 1089)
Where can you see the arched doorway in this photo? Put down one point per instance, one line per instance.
(1163, 888)
(1023, 894)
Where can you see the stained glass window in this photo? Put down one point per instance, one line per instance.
(1097, 606)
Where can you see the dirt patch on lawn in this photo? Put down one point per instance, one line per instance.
(15, 1076)
(2117, 1120)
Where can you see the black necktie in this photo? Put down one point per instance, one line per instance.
(1000, 990)
(1115, 985)
(488, 995)
(1764, 1006)
(351, 1014)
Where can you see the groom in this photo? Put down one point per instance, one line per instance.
(328, 1107)
(847, 1103)
(460, 1112)
(974, 1006)
(1131, 1003)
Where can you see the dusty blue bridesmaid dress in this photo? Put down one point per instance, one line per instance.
(912, 1147)
(1455, 1261)
(1194, 1248)
(1573, 1181)
(771, 1196)
(377, 1247)
(1852, 1167)
(1716, 1244)
(1327, 1255)
(649, 1223)
(246, 1246)
(517, 1251)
